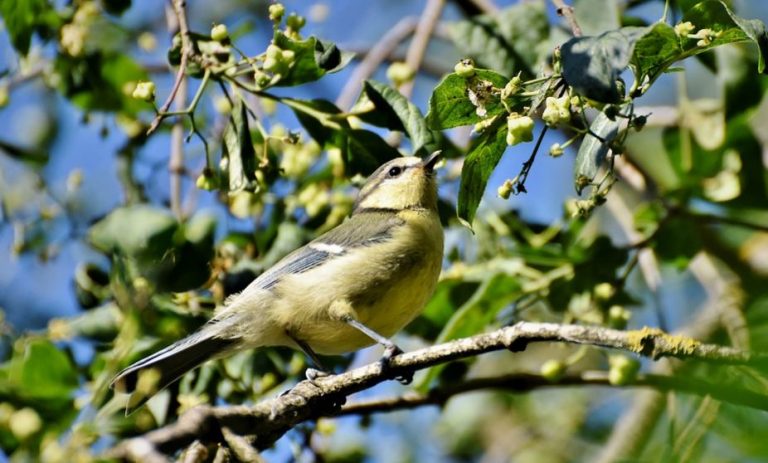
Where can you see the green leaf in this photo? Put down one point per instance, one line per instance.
(140, 231)
(494, 293)
(97, 81)
(677, 241)
(656, 50)
(660, 47)
(483, 155)
(593, 150)
(450, 294)
(592, 65)
(363, 151)
(509, 42)
(715, 15)
(450, 104)
(238, 148)
(40, 371)
(313, 59)
(366, 151)
(22, 18)
(390, 101)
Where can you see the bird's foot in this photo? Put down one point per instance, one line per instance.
(390, 352)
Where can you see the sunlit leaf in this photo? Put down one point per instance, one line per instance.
(451, 103)
(313, 59)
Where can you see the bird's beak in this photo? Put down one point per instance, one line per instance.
(429, 163)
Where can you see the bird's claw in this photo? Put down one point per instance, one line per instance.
(312, 374)
(390, 352)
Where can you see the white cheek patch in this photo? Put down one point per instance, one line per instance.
(329, 248)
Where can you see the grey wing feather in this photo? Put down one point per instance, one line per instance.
(359, 230)
(299, 261)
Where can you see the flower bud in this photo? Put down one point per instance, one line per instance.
(684, 28)
(556, 150)
(506, 188)
(276, 12)
(144, 91)
(519, 129)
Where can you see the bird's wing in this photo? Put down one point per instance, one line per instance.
(363, 229)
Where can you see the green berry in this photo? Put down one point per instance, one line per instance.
(219, 32)
(399, 73)
(618, 317)
(623, 370)
(553, 370)
(295, 22)
(604, 291)
(465, 68)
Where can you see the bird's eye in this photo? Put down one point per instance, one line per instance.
(395, 171)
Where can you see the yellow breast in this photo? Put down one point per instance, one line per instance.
(387, 284)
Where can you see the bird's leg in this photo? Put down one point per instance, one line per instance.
(311, 373)
(390, 348)
(342, 310)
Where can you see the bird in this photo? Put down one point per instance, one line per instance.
(354, 286)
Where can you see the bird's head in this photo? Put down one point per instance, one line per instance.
(402, 183)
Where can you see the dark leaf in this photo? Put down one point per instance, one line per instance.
(366, 151)
(483, 155)
(592, 65)
(141, 231)
(238, 148)
(22, 18)
(394, 104)
(97, 81)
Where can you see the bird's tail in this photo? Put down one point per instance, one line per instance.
(169, 364)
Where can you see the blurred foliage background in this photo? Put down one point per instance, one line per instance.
(114, 243)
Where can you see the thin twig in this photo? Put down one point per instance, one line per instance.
(527, 165)
(525, 382)
(268, 420)
(177, 21)
(373, 59)
(719, 219)
(186, 48)
(566, 11)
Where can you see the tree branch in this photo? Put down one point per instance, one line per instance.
(421, 36)
(268, 420)
(373, 59)
(566, 11)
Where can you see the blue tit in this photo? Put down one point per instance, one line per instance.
(354, 286)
